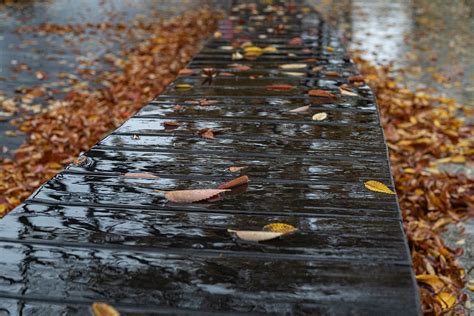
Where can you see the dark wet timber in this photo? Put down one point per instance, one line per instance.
(90, 234)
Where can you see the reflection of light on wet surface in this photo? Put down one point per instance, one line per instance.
(378, 27)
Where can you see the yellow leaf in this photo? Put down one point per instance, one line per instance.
(270, 49)
(431, 280)
(378, 187)
(446, 300)
(226, 47)
(294, 74)
(102, 309)
(253, 49)
(293, 66)
(319, 116)
(183, 86)
(217, 34)
(255, 235)
(3, 210)
(279, 228)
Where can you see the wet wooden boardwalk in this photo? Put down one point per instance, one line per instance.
(92, 234)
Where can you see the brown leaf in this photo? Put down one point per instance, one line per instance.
(331, 74)
(357, 78)
(186, 72)
(280, 87)
(236, 168)
(191, 196)
(170, 123)
(234, 183)
(102, 309)
(320, 93)
(143, 175)
(206, 133)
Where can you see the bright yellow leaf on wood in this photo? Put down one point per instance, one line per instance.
(279, 228)
(183, 86)
(293, 66)
(102, 309)
(253, 49)
(378, 187)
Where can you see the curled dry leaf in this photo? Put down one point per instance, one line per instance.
(293, 66)
(300, 109)
(255, 235)
(142, 175)
(280, 87)
(236, 168)
(432, 280)
(320, 93)
(206, 133)
(319, 116)
(191, 196)
(183, 87)
(279, 228)
(234, 183)
(376, 186)
(102, 309)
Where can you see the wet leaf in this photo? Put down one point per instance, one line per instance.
(191, 196)
(320, 93)
(234, 183)
(206, 133)
(319, 116)
(183, 87)
(356, 78)
(3, 210)
(102, 309)
(270, 49)
(292, 66)
(255, 236)
(170, 123)
(296, 41)
(280, 87)
(431, 280)
(300, 109)
(186, 72)
(236, 168)
(378, 187)
(237, 56)
(279, 228)
(142, 175)
(345, 90)
(253, 49)
(294, 74)
(226, 47)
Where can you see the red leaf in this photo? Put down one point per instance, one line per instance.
(280, 87)
(320, 93)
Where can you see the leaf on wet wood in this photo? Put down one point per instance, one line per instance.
(255, 235)
(253, 50)
(183, 87)
(226, 47)
(447, 300)
(80, 161)
(206, 133)
(376, 186)
(170, 123)
(319, 116)
(102, 309)
(237, 56)
(332, 74)
(191, 196)
(270, 49)
(3, 210)
(320, 93)
(236, 168)
(293, 66)
(346, 90)
(239, 67)
(282, 87)
(142, 175)
(300, 109)
(432, 280)
(294, 74)
(234, 183)
(279, 228)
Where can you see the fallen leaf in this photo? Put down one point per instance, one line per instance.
(102, 309)
(241, 67)
(217, 34)
(142, 175)
(253, 50)
(191, 196)
(279, 228)
(319, 116)
(183, 86)
(329, 49)
(294, 74)
(293, 66)
(256, 236)
(234, 183)
(320, 93)
(331, 74)
(170, 123)
(431, 280)
(300, 109)
(280, 87)
(357, 78)
(227, 47)
(3, 210)
(236, 168)
(206, 133)
(378, 187)
(186, 72)
(296, 41)
(237, 56)
(446, 300)
(345, 90)
(270, 49)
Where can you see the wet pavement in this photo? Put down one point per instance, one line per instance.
(91, 229)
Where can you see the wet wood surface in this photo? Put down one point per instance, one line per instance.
(91, 234)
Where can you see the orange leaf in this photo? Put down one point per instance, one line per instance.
(102, 309)
(234, 183)
(320, 93)
(170, 123)
(280, 87)
(143, 175)
(191, 196)
(186, 72)
(207, 133)
(236, 169)
(357, 78)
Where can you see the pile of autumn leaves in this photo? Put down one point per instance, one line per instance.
(423, 133)
(137, 75)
